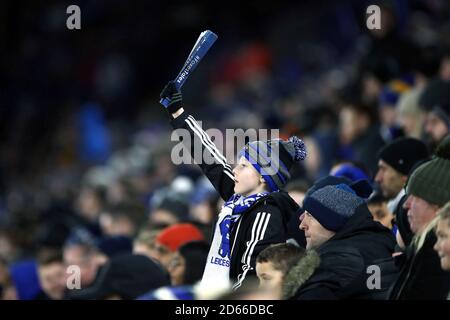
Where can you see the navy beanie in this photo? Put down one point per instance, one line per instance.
(274, 158)
(361, 187)
(332, 205)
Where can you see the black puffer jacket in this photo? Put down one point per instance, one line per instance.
(343, 272)
(299, 274)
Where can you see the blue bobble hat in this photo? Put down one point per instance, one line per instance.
(274, 158)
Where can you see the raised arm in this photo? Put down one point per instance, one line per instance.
(218, 171)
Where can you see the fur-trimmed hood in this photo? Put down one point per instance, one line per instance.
(299, 274)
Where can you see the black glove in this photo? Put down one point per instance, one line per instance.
(176, 99)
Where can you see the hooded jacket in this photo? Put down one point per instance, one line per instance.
(343, 271)
(299, 274)
(262, 224)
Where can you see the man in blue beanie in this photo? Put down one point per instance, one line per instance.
(339, 226)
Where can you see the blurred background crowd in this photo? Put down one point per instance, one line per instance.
(85, 168)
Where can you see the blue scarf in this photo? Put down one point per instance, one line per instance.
(238, 204)
(218, 263)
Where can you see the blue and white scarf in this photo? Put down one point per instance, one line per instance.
(217, 269)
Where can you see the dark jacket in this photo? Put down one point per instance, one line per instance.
(299, 274)
(262, 224)
(343, 272)
(421, 276)
(276, 208)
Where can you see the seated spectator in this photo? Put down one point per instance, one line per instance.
(359, 134)
(203, 202)
(297, 190)
(274, 264)
(170, 210)
(339, 226)
(395, 161)
(409, 116)
(442, 245)
(122, 219)
(387, 111)
(428, 190)
(188, 262)
(297, 235)
(171, 238)
(144, 243)
(377, 205)
(124, 277)
(89, 204)
(435, 102)
(52, 274)
(81, 250)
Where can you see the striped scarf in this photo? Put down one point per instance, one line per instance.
(217, 269)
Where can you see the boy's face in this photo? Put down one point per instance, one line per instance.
(442, 245)
(381, 213)
(247, 180)
(52, 278)
(269, 276)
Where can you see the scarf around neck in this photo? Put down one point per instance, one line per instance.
(217, 269)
